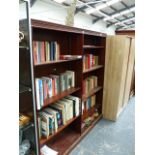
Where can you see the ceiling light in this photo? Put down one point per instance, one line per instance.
(108, 18)
(112, 2)
(101, 6)
(59, 1)
(89, 11)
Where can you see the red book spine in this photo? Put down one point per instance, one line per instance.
(35, 52)
(53, 86)
(84, 87)
(88, 61)
(42, 51)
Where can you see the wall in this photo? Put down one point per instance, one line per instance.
(50, 11)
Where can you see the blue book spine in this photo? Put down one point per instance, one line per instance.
(51, 51)
(54, 50)
(41, 94)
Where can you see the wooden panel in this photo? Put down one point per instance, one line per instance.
(126, 32)
(129, 73)
(117, 50)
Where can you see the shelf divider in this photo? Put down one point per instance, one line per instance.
(95, 90)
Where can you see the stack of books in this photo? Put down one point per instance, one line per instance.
(45, 51)
(90, 102)
(58, 114)
(89, 84)
(89, 61)
(46, 87)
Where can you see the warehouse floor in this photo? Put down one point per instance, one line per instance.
(111, 138)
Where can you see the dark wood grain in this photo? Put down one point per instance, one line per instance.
(45, 140)
(53, 99)
(92, 46)
(92, 92)
(92, 68)
(59, 27)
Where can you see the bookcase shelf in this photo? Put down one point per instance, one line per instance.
(92, 92)
(74, 43)
(87, 129)
(53, 99)
(24, 47)
(93, 68)
(56, 61)
(45, 140)
(92, 47)
(23, 89)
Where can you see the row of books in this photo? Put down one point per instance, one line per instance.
(89, 84)
(89, 60)
(58, 114)
(90, 102)
(45, 51)
(46, 87)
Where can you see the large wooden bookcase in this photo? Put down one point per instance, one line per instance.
(72, 41)
(119, 66)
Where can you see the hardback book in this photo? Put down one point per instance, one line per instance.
(47, 50)
(44, 125)
(35, 52)
(54, 113)
(70, 107)
(77, 103)
(39, 127)
(70, 57)
(59, 115)
(42, 51)
(39, 93)
(62, 108)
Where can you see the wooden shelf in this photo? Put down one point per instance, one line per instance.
(56, 61)
(87, 129)
(45, 140)
(69, 138)
(24, 47)
(84, 97)
(93, 46)
(59, 96)
(23, 89)
(92, 68)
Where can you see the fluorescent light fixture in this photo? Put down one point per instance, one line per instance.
(89, 11)
(112, 2)
(59, 1)
(116, 15)
(108, 18)
(102, 6)
(119, 14)
(127, 20)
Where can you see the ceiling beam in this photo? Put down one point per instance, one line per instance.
(120, 21)
(80, 9)
(100, 18)
(120, 27)
(92, 2)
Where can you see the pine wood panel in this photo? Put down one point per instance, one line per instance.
(129, 73)
(117, 50)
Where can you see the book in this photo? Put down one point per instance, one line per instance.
(54, 113)
(45, 150)
(62, 109)
(39, 93)
(70, 57)
(34, 48)
(44, 125)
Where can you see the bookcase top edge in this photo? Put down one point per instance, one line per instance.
(59, 27)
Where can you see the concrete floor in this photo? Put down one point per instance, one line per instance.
(111, 138)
